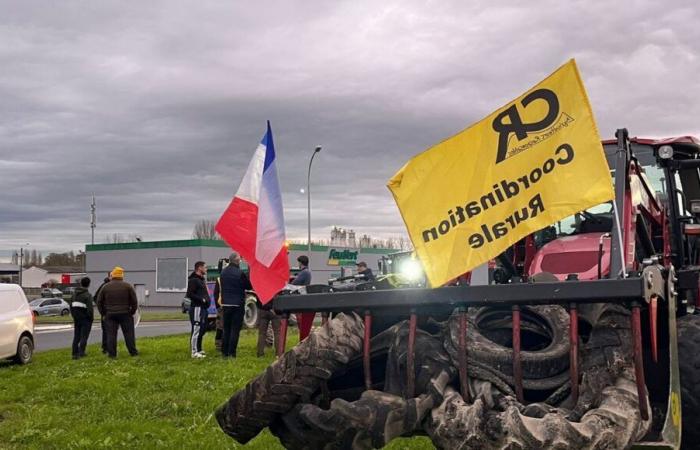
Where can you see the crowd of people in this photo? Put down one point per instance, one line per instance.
(117, 303)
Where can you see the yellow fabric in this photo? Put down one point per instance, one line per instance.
(117, 272)
(529, 164)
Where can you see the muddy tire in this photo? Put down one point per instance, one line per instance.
(546, 362)
(292, 379)
(689, 365)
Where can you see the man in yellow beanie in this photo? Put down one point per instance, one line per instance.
(117, 303)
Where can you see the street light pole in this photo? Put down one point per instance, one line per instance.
(21, 261)
(308, 197)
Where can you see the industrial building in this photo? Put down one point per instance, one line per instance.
(159, 269)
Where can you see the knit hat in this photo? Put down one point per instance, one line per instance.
(117, 272)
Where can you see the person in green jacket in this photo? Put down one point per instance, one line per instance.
(81, 308)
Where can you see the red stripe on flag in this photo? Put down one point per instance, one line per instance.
(268, 281)
(238, 227)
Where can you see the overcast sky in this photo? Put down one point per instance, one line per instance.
(157, 107)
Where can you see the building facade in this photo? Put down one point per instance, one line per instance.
(159, 269)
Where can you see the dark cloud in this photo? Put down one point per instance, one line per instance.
(157, 107)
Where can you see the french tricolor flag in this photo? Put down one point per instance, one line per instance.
(253, 223)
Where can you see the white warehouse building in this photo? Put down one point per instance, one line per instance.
(158, 270)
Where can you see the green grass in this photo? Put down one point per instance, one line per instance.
(145, 317)
(160, 399)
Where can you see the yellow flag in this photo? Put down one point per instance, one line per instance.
(531, 163)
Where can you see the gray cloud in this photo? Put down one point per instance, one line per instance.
(157, 107)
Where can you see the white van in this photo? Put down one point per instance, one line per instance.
(16, 325)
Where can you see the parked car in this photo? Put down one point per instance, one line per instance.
(49, 307)
(51, 293)
(16, 325)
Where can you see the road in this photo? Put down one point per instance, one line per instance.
(49, 337)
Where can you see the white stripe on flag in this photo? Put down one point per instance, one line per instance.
(249, 188)
(270, 235)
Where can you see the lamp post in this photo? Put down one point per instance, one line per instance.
(21, 261)
(308, 196)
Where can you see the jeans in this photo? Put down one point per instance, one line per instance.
(81, 331)
(126, 322)
(233, 321)
(265, 319)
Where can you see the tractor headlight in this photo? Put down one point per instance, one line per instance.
(665, 152)
(412, 270)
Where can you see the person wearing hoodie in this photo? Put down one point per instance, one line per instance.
(117, 303)
(81, 309)
(199, 304)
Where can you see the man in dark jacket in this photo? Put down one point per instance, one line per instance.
(102, 319)
(117, 303)
(233, 283)
(199, 304)
(81, 309)
(364, 272)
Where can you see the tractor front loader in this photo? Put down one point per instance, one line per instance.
(586, 338)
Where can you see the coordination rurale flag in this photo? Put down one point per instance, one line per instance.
(532, 162)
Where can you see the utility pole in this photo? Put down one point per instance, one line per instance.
(93, 219)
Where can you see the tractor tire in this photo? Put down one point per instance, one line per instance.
(542, 363)
(689, 365)
(251, 316)
(292, 379)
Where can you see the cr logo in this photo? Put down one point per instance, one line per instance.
(515, 123)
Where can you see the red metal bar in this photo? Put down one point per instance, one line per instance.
(411, 356)
(463, 380)
(573, 351)
(638, 361)
(517, 363)
(283, 334)
(653, 324)
(366, 351)
(324, 318)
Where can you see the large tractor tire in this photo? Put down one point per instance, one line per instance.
(689, 365)
(292, 379)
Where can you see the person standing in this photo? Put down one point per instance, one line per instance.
(199, 307)
(102, 319)
(267, 317)
(303, 278)
(81, 309)
(231, 287)
(364, 272)
(117, 303)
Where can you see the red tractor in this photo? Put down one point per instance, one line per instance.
(586, 338)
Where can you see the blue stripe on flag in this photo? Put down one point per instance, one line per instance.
(269, 146)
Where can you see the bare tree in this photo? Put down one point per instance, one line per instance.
(205, 229)
(118, 238)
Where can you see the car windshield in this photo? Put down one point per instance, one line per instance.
(36, 302)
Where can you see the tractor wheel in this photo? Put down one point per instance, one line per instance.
(291, 379)
(251, 317)
(689, 365)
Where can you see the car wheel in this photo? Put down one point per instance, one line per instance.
(25, 350)
(251, 312)
(65, 312)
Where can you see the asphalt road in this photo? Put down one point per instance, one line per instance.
(49, 337)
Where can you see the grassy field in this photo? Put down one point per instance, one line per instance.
(148, 316)
(160, 399)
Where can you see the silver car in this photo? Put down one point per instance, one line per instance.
(49, 307)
